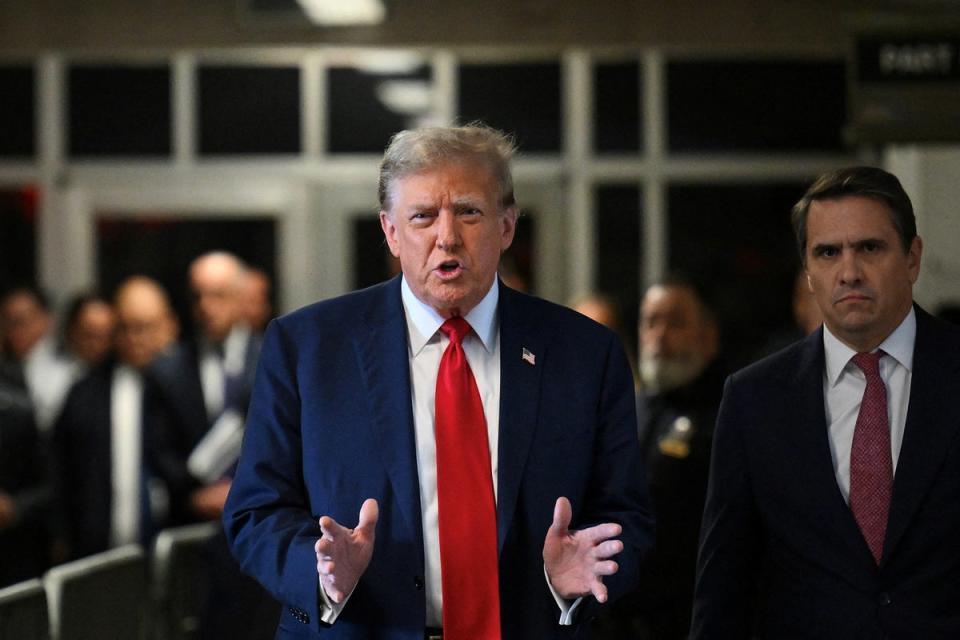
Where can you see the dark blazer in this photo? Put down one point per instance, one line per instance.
(24, 478)
(175, 394)
(781, 555)
(331, 424)
(83, 450)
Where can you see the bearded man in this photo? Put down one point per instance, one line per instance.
(682, 382)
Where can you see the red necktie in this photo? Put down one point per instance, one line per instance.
(871, 467)
(467, 511)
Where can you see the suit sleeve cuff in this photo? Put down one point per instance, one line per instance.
(568, 609)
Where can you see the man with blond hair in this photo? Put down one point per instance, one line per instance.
(486, 437)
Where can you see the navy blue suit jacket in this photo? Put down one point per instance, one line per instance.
(781, 555)
(331, 424)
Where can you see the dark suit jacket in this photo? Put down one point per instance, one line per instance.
(331, 424)
(83, 452)
(24, 477)
(174, 391)
(781, 554)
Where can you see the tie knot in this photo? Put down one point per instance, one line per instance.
(456, 329)
(869, 363)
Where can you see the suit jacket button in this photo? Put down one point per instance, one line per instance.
(885, 599)
(418, 582)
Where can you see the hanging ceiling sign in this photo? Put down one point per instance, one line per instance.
(904, 88)
(909, 59)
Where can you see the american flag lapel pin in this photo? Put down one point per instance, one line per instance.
(528, 357)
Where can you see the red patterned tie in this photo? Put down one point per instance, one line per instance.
(468, 516)
(871, 467)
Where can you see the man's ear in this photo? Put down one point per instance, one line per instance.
(913, 258)
(390, 233)
(508, 227)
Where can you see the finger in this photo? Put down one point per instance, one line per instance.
(600, 532)
(369, 513)
(332, 592)
(326, 567)
(599, 591)
(606, 568)
(330, 527)
(324, 547)
(562, 514)
(607, 549)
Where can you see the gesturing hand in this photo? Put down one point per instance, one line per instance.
(576, 560)
(343, 554)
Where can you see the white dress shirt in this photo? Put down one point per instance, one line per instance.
(126, 418)
(216, 366)
(48, 377)
(843, 387)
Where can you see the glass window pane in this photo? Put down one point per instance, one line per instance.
(18, 236)
(16, 111)
(248, 110)
(616, 112)
(163, 246)
(369, 106)
(737, 243)
(756, 105)
(618, 230)
(519, 98)
(119, 110)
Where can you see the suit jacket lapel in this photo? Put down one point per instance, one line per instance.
(519, 401)
(932, 422)
(384, 363)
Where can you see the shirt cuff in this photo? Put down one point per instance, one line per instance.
(568, 609)
(330, 610)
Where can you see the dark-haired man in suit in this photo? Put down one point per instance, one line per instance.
(489, 436)
(834, 498)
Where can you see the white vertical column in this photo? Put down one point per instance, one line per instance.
(62, 261)
(445, 77)
(313, 106)
(655, 252)
(184, 99)
(577, 134)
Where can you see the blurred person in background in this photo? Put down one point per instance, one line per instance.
(604, 309)
(24, 486)
(682, 382)
(806, 318)
(204, 383)
(88, 332)
(257, 307)
(109, 492)
(202, 388)
(30, 346)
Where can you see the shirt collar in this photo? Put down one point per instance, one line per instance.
(423, 321)
(898, 345)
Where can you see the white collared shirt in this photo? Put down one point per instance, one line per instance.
(48, 377)
(843, 387)
(126, 418)
(214, 367)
